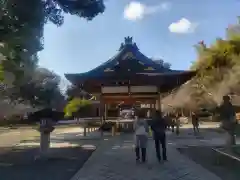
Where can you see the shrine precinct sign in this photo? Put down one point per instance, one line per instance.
(128, 89)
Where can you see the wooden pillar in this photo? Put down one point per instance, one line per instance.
(159, 104)
(152, 109)
(105, 111)
(101, 114)
(156, 104)
(85, 129)
(114, 129)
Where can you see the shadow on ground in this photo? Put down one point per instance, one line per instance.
(20, 163)
(206, 157)
(199, 148)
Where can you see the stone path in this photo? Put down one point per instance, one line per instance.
(205, 138)
(115, 160)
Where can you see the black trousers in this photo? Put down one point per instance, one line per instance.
(196, 128)
(143, 153)
(161, 140)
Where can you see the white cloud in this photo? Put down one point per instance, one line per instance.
(136, 10)
(182, 26)
(165, 6)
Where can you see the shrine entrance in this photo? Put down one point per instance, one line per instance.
(147, 104)
(128, 106)
(129, 78)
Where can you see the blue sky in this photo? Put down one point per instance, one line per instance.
(162, 29)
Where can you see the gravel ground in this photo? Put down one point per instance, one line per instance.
(20, 159)
(20, 164)
(206, 157)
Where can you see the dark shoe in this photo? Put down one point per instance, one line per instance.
(137, 160)
(165, 159)
(137, 151)
(143, 151)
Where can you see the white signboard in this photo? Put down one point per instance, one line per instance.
(143, 89)
(112, 89)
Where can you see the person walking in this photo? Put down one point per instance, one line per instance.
(177, 120)
(158, 127)
(228, 117)
(141, 137)
(195, 123)
(172, 123)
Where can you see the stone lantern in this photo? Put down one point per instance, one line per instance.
(47, 119)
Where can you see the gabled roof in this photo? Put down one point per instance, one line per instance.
(128, 51)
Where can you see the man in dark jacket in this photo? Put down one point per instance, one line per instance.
(195, 123)
(158, 126)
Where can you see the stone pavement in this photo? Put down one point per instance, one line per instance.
(206, 137)
(115, 160)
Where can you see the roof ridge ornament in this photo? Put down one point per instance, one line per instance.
(128, 41)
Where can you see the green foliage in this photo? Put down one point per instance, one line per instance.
(21, 27)
(20, 33)
(75, 105)
(216, 64)
(76, 92)
(21, 38)
(38, 88)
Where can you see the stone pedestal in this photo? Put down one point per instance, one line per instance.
(44, 142)
(45, 130)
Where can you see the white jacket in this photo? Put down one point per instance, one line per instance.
(140, 127)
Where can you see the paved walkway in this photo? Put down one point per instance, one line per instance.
(205, 138)
(115, 160)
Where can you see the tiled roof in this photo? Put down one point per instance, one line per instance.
(127, 52)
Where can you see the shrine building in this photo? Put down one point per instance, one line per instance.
(129, 78)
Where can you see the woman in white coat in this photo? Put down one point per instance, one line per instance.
(141, 131)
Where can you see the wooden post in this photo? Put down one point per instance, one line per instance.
(105, 111)
(152, 109)
(84, 128)
(156, 102)
(101, 113)
(114, 130)
(159, 105)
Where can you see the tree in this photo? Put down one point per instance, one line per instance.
(76, 92)
(45, 85)
(217, 69)
(21, 31)
(41, 88)
(162, 63)
(21, 38)
(218, 66)
(77, 106)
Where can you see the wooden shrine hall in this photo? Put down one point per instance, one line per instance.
(129, 77)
